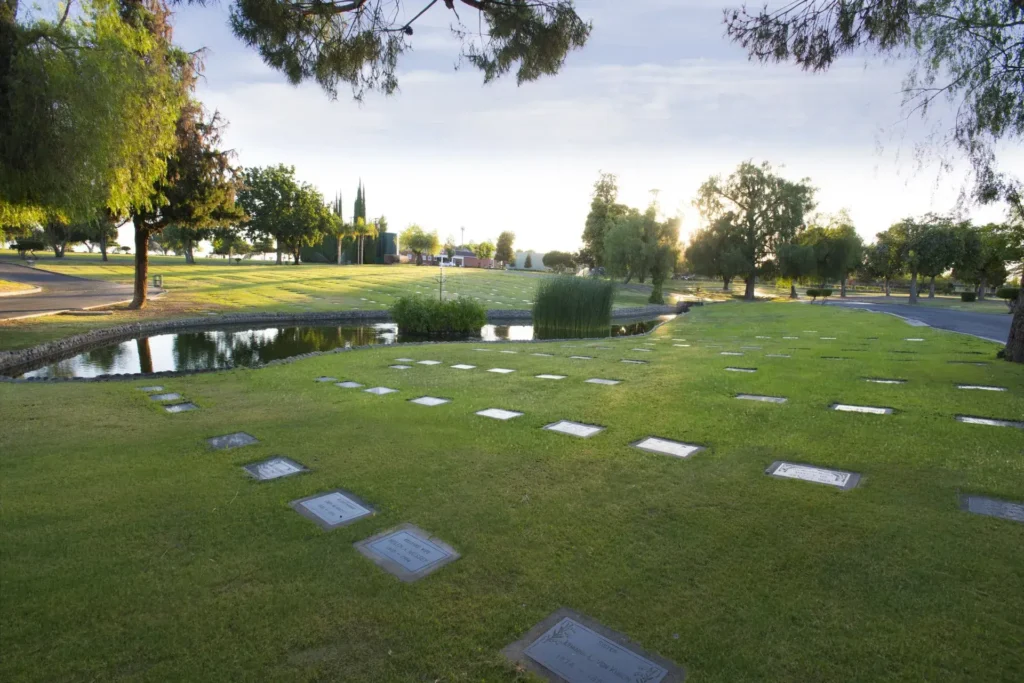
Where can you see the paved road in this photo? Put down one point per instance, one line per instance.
(991, 326)
(60, 292)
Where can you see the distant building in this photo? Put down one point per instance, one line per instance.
(462, 258)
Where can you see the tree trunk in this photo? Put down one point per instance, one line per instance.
(725, 283)
(913, 287)
(145, 355)
(296, 253)
(339, 249)
(1015, 342)
(842, 288)
(141, 267)
(931, 288)
(748, 295)
(190, 257)
(792, 290)
(888, 291)
(419, 259)
(103, 244)
(277, 243)
(982, 286)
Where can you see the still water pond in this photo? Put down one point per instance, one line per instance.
(237, 347)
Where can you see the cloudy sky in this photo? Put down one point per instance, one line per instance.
(658, 97)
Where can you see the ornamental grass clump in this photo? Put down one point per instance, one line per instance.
(421, 316)
(568, 307)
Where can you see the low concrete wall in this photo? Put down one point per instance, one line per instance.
(69, 346)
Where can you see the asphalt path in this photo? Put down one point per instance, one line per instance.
(60, 293)
(991, 326)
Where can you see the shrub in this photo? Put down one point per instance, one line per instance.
(1008, 293)
(28, 244)
(813, 293)
(425, 317)
(529, 262)
(567, 306)
(968, 296)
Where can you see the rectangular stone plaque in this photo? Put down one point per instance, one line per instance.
(791, 337)
(641, 350)
(873, 410)
(834, 358)
(573, 428)
(731, 369)
(913, 339)
(827, 338)
(164, 397)
(879, 380)
(730, 353)
(980, 387)
(380, 391)
(993, 507)
(235, 440)
(332, 509)
(819, 475)
(682, 346)
(677, 449)
(151, 389)
(349, 385)
(462, 366)
(777, 355)
(430, 401)
(607, 382)
(408, 552)
(273, 468)
(990, 421)
(550, 376)
(400, 367)
(568, 647)
(587, 357)
(484, 350)
(498, 413)
(542, 355)
(508, 351)
(631, 361)
(765, 399)
(761, 336)
(326, 379)
(429, 362)
(404, 360)
(501, 371)
(181, 407)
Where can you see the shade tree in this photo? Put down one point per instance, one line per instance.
(604, 211)
(717, 252)
(761, 208)
(484, 250)
(420, 242)
(503, 250)
(795, 262)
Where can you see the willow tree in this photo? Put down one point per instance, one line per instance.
(359, 42)
(88, 103)
(759, 209)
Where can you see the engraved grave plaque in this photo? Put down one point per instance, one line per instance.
(380, 391)
(348, 384)
(568, 647)
(764, 399)
(181, 407)
(676, 449)
(992, 507)
(573, 428)
(498, 414)
(819, 475)
(430, 401)
(408, 552)
(332, 509)
(462, 366)
(235, 440)
(607, 382)
(164, 397)
(873, 410)
(273, 468)
(501, 371)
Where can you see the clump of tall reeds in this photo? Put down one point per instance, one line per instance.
(568, 307)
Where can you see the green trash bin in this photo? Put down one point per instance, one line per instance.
(158, 280)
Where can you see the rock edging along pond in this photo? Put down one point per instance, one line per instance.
(62, 348)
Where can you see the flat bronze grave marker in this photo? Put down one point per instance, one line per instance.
(407, 552)
(273, 468)
(820, 475)
(569, 647)
(332, 509)
(993, 507)
(236, 440)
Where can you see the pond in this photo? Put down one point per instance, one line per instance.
(214, 349)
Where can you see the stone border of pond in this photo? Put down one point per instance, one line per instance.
(21, 360)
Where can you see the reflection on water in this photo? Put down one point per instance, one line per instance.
(217, 349)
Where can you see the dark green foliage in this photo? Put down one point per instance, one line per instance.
(503, 252)
(968, 296)
(1008, 293)
(559, 261)
(815, 292)
(529, 261)
(568, 307)
(425, 317)
(604, 210)
(358, 42)
(29, 244)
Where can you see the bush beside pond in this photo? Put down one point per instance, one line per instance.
(425, 317)
(569, 307)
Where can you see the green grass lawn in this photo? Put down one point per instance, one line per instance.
(7, 286)
(215, 285)
(133, 552)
